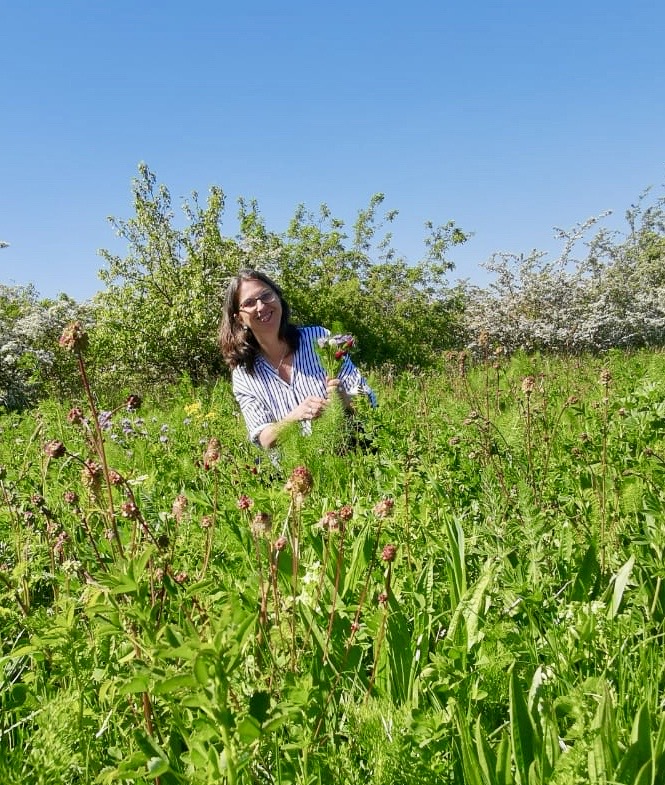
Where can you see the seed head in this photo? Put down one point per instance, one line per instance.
(212, 453)
(261, 524)
(244, 502)
(300, 482)
(133, 403)
(605, 377)
(179, 506)
(75, 416)
(206, 522)
(280, 543)
(74, 338)
(91, 474)
(384, 508)
(330, 521)
(115, 478)
(55, 449)
(345, 513)
(389, 552)
(71, 497)
(528, 385)
(129, 510)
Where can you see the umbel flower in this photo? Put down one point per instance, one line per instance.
(332, 349)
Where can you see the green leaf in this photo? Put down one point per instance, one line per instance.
(157, 767)
(174, 683)
(620, 582)
(135, 684)
(522, 733)
(470, 763)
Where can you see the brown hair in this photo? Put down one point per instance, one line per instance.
(237, 343)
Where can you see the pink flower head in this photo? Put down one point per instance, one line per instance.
(384, 508)
(74, 338)
(280, 543)
(389, 552)
(244, 502)
(129, 510)
(330, 521)
(300, 482)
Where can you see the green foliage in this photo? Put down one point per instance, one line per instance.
(159, 313)
(476, 598)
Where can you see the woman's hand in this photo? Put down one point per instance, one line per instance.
(309, 409)
(333, 387)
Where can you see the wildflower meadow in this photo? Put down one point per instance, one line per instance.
(472, 592)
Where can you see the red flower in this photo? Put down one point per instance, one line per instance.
(244, 502)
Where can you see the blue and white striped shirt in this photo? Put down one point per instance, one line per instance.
(264, 397)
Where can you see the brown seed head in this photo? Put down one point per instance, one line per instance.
(212, 453)
(55, 449)
(301, 480)
(384, 508)
(74, 338)
(261, 524)
(180, 504)
(528, 385)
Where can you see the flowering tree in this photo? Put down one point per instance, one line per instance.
(29, 327)
(614, 296)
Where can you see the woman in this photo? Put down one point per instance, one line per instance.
(276, 373)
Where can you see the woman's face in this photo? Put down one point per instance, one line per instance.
(259, 307)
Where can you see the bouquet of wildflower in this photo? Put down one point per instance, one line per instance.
(332, 349)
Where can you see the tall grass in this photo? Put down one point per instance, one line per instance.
(474, 595)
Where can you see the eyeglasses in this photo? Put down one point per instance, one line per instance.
(268, 296)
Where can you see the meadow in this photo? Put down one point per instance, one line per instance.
(468, 589)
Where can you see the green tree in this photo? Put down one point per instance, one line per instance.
(158, 316)
(401, 313)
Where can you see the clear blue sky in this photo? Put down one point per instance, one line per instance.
(510, 118)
